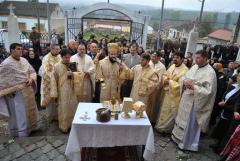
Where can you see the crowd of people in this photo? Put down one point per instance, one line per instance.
(185, 97)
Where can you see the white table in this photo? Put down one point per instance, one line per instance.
(121, 132)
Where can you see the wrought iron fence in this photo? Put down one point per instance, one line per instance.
(26, 42)
(2, 37)
(24, 39)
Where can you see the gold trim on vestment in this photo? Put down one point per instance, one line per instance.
(30, 104)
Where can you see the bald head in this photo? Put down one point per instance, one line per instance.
(72, 44)
(93, 48)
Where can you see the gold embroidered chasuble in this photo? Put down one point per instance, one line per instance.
(170, 98)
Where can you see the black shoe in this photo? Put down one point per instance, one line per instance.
(223, 158)
(213, 146)
(217, 151)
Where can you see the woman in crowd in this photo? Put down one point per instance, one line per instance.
(221, 89)
(140, 50)
(36, 63)
(227, 123)
(187, 63)
(103, 46)
(233, 79)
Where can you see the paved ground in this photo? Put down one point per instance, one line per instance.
(50, 144)
(166, 150)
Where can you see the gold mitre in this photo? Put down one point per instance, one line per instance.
(113, 47)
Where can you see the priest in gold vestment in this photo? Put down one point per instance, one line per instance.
(48, 63)
(65, 88)
(110, 73)
(17, 93)
(160, 70)
(171, 94)
(145, 82)
(86, 66)
(198, 89)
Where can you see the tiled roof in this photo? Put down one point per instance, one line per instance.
(28, 9)
(221, 34)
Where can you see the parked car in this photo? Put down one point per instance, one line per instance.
(23, 38)
(25, 41)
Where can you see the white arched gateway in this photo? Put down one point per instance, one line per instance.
(107, 11)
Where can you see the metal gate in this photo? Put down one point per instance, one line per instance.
(74, 24)
(74, 27)
(137, 32)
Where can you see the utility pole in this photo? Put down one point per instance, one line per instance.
(108, 1)
(35, 4)
(236, 33)
(201, 13)
(160, 26)
(48, 17)
(38, 19)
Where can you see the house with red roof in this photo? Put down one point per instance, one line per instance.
(220, 37)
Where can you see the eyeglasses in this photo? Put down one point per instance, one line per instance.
(18, 49)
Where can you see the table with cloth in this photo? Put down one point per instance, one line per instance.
(88, 132)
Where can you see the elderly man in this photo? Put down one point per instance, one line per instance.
(85, 65)
(72, 46)
(93, 52)
(17, 95)
(96, 56)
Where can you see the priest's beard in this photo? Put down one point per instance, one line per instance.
(112, 60)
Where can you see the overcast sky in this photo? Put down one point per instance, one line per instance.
(210, 5)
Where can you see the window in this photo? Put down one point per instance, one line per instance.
(4, 24)
(22, 26)
(42, 27)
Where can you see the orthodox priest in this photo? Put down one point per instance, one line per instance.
(110, 73)
(17, 93)
(198, 90)
(171, 94)
(86, 66)
(145, 82)
(65, 88)
(160, 70)
(48, 63)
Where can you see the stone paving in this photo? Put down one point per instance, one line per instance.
(166, 150)
(50, 144)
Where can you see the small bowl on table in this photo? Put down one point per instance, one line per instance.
(103, 116)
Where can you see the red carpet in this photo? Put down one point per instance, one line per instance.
(111, 154)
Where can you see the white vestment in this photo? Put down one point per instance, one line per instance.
(85, 64)
(195, 107)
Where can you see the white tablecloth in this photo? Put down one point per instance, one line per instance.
(121, 132)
